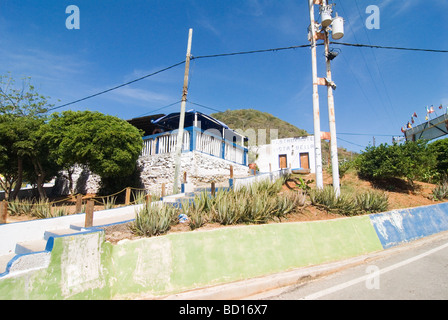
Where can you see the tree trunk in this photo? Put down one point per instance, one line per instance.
(40, 174)
(18, 185)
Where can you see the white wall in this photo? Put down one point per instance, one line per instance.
(268, 155)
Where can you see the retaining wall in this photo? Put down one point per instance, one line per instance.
(86, 267)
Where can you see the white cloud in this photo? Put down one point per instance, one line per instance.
(142, 95)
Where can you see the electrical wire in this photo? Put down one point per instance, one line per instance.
(388, 47)
(234, 54)
(119, 86)
(161, 108)
(201, 105)
(352, 143)
(251, 52)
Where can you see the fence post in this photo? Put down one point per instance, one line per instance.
(3, 212)
(128, 196)
(78, 207)
(213, 189)
(163, 190)
(89, 214)
(231, 172)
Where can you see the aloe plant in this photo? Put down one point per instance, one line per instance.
(42, 209)
(153, 220)
(372, 202)
(440, 192)
(109, 202)
(349, 204)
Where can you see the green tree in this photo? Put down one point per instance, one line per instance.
(440, 149)
(22, 112)
(107, 145)
(410, 161)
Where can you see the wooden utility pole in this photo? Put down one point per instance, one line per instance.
(180, 134)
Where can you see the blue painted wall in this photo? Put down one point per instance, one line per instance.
(398, 226)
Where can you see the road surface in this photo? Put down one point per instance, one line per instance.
(416, 271)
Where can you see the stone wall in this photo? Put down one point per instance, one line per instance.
(201, 169)
(155, 170)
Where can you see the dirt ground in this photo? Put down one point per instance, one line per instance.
(399, 197)
(399, 194)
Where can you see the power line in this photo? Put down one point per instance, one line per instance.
(351, 142)
(251, 52)
(388, 47)
(368, 134)
(201, 105)
(120, 86)
(161, 108)
(234, 54)
(376, 62)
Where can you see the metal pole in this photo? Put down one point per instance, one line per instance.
(316, 117)
(182, 117)
(332, 117)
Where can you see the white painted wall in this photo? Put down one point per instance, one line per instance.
(268, 155)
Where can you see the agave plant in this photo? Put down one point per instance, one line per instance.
(20, 207)
(372, 201)
(42, 209)
(153, 220)
(343, 204)
(287, 202)
(109, 202)
(440, 192)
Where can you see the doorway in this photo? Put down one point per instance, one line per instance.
(305, 160)
(283, 161)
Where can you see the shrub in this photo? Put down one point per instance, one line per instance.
(153, 220)
(257, 203)
(109, 202)
(349, 204)
(411, 160)
(440, 192)
(371, 202)
(42, 209)
(18, 208)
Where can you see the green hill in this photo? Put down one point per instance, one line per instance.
(244, 119)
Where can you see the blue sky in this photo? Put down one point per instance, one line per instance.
(118, 41)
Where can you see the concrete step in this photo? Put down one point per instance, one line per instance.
(4, 260)
(104, 222)
(60, 232)
(30, 246)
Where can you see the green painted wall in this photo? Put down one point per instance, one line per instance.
(86, 267)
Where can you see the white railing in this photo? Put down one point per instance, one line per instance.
(195, 140)
(209, 144)
(232, 153)
(164, 143)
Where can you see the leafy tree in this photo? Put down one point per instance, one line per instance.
(107, 145)
(440, 150)
(22, 112)
(411, 160)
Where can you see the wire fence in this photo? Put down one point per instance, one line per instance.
(76, 203)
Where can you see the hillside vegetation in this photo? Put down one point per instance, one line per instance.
(244, 119)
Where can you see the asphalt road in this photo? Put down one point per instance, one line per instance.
(415, 271)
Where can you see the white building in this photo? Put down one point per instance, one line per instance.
(294, 153)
